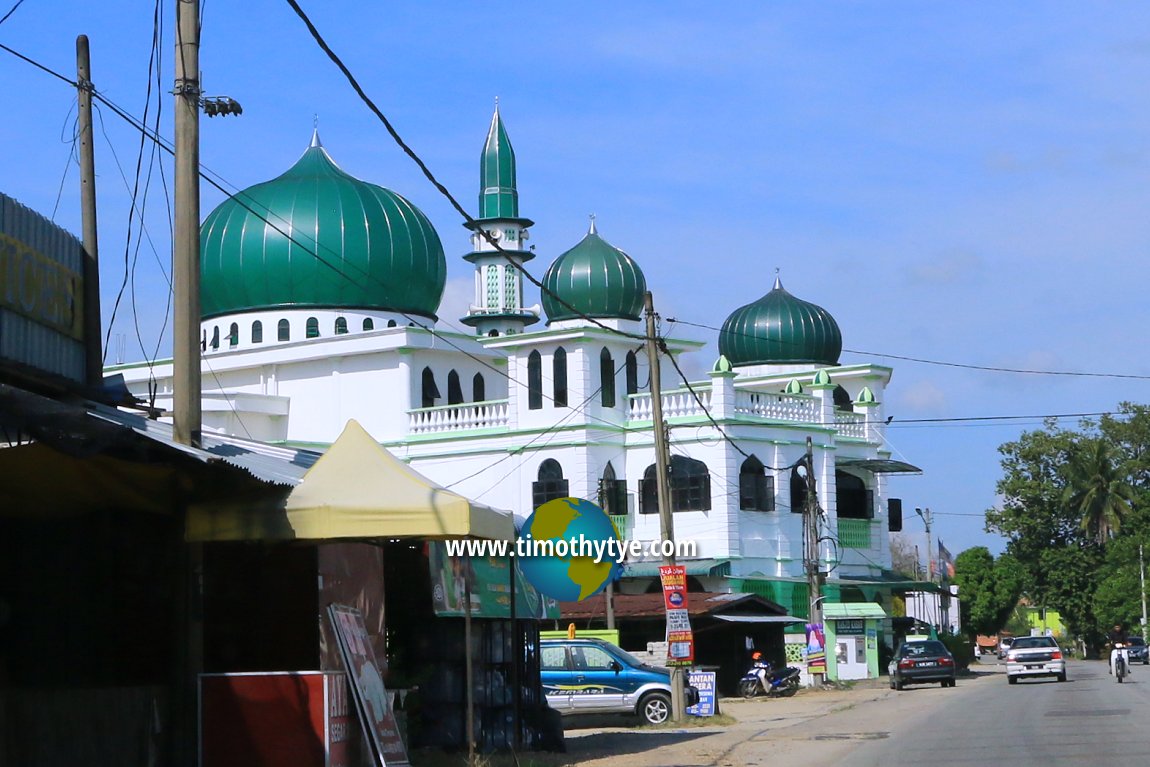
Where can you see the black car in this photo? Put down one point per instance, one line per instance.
(922, 661)
(1137, 651)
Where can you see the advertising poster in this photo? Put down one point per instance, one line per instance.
(367, 688)
(674, 580)
(816, 650)
(490, 587)
(704, 682)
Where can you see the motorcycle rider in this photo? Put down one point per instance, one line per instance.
(762, 669)
(1117, 639)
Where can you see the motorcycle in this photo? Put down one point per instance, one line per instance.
(1121, 662)
(763, 679)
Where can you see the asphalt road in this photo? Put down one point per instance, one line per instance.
(1087, 720)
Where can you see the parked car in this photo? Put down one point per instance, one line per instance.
(922, 661)
(1035, 656)
(1004, 647)
(1137, 651)
(591, 676)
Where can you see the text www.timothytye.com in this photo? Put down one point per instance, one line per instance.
(610, 550)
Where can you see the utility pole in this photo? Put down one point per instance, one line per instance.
(811, 528)
(186, 415)
(662, 463)
(1142, 578)
(93, 355)
(925, 516)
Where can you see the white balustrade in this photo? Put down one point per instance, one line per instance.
(676, 404)
(466, 416)
(802, 408)
(851, 424)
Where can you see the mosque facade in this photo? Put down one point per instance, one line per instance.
(320, 295)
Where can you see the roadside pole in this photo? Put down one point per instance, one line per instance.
(662, 461)
(1142, 579)
(93, 356)
(811, 544)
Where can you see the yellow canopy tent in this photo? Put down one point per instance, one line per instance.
(357, 489)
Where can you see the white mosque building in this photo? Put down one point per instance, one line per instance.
(320, 293)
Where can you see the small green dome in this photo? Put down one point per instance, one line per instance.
(597, 280)
(319, 237)
(781, 329)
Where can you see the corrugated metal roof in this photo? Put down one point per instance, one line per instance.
(852, 610)
(268, 463)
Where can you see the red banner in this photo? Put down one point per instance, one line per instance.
(674, 580)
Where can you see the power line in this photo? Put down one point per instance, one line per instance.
(13, 10)
(925, 361)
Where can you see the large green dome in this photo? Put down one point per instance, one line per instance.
(779, 328)
(318, 237)
(597, 280)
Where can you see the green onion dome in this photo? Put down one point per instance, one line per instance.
(595, 279)
(316, 237)
(781, 329)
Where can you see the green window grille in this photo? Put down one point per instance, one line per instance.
(510, 288)
(492, 287)
(855, 533)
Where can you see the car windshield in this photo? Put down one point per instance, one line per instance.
(916, 649)
(1136, 641)
(1023, 642)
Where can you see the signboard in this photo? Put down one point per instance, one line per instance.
(674, 580)
(490, 587)
(704, 682)
(281, 717)
(41, 294)
(371, 698)
(815, 653)
(680, 640)
(850, 626)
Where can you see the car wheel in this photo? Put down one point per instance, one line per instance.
(1062, 677)
(1012, 679)
(655, 708)
(748, 688)
(899, 684)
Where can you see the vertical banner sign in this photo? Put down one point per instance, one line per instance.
(680, 639)
(816, 650)
(367, 688)
(704, 682)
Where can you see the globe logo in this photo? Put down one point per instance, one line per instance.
(557, 548)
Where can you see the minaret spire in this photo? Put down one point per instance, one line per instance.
(498, 197)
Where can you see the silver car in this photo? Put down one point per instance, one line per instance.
(1035, 656)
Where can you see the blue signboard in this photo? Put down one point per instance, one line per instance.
(704, 682)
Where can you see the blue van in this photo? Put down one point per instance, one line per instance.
(590, 676)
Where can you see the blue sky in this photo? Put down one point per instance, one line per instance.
(958, 182)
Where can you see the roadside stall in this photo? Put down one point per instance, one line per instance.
(852, 633)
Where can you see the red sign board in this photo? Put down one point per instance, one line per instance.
(286, 717)
(674, 579)
(371, 697)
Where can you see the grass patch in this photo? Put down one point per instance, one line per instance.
(718, 720)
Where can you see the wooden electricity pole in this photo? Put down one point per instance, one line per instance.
(186, 412)
(662, 475)
(93, 355)
(811, 544)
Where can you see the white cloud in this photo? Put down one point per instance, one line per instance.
(924, 397)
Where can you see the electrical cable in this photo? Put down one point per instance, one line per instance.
(13, 10)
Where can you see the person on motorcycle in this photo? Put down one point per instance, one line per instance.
(762, 668)
(1117, 640)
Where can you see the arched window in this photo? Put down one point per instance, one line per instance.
(559, 376)
(454, 390)
(368, 324)
(756, 487)
(852, 499)
(478, 388)
(798, 490)
(257, 332)
(283, 330)
(430, 390)
(534, 381)
(216, 337)
(493, 334)
(312, 329)
(234, 334)
(606, 378)
(612, 492)
(842, 399)
(341, 326)
(690, 486)
(632, 373)
(550, 484)
(391, 323)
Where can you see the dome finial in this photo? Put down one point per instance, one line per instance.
(592, 229)
(778, 280)
(315, 142)
(497, 105)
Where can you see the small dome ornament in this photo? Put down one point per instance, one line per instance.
(866, 398)
(794, 387)
(822, 380)
(722, 365)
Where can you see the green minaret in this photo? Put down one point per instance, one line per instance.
(497, 242)
(498, 197)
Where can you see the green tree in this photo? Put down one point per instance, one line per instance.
(1097, 490)
(989, 589)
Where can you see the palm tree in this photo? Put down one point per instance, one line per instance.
(1097, 490)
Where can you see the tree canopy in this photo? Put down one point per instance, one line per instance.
(989, 589)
